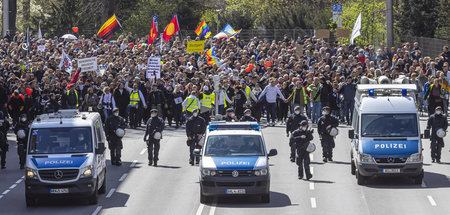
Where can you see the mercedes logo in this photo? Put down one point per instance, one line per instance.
(58, 174)
(235, 173)
(390, 159)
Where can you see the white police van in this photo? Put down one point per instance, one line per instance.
(234, 161)
(65, 157)
(386, 139)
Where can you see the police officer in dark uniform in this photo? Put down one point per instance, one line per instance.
(325, 123)
(301, 138)
(291, 125)
(4, 127)
(248, 116)
(24, 125)
(154, 124)
(435, 122)
(230, 115)
(195, 128)
(115, 145)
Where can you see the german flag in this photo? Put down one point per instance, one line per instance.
(107, 29)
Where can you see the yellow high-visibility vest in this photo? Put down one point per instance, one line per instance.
(76, 95)
(191, 104)
(206, 100)
(134, 98)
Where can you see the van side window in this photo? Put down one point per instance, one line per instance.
(98, 133)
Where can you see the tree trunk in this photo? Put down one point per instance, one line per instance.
(26, 12)
(12, 16)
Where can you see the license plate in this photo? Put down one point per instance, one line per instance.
(235, 191)
(391, 170)
(59, 191)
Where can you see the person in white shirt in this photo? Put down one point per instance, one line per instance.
(107, 101)
(271, 91)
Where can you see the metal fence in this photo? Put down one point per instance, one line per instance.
(430, 46)
(270, 34)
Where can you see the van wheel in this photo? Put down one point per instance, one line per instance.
(31, 202)
(265, 198)
(418, 179)
(362, 180)
(205, 199)
(93, 200)
(102, 189)
(353, 168)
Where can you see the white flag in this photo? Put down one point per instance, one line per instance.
(39, 31)
(356, 29)
(66, 62)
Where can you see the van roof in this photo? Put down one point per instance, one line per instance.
(386, 104)
(65, 118)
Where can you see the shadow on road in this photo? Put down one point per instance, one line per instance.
(431, 179)
(168, 167)
(277, 200)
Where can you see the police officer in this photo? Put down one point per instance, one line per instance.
(115, 145)
(154, 124)
(324, 125)
(291, 125)
(301, 138)
(247, 116)
(435, 122)
(230, 117)
(195, 128)
(4, 127)
(24, 125)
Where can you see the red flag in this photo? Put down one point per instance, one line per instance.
(171, 29)
(153, 32)
(74, 78)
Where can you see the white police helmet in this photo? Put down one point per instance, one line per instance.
(440, 133)
(157, 135)
(334, 132)
(120, 132)
(21, 134)
(311, 147)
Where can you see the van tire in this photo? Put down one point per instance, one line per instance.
(353, 168)
(205, 199)
(93, 200)
(102, 189)
(418, 179)
(362, 180)
(31, 202)
(265, 198)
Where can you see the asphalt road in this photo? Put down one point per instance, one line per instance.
(172, 187)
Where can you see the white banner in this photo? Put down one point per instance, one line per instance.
(153, 68)
(87, 64)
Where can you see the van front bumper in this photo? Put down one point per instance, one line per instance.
(83, 187)
(221, 185)
(377, 169)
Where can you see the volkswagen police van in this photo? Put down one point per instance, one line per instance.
(65, 157)
(234, 161)
(386, 139)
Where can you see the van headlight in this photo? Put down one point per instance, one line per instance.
(86, 172)
(260, 172)
(208, 172)
(414, 158)
(365, 158)
(31, 173)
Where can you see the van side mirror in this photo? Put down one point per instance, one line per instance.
(100, 149)
(351, 134)
(426, 134)
(196, 152)
(272, 152)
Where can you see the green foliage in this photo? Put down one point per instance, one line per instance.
(418, 17)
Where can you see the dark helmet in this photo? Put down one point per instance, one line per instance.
(156, 111)
(229, 110)
(297, 108)
(326, 108)
(303, 123)
(438, 108)
(247, 110)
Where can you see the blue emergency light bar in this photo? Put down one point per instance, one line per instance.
(371, 92)
(233, 126)
(404, 92)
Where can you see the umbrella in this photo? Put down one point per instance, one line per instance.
(69, 36)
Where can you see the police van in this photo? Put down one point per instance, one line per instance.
(234, 161)
(386, 139)
(65, 157)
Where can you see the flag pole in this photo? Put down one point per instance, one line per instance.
(178, 27)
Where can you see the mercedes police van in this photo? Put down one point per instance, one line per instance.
(386, 139)
(234, 161)
(65, 157)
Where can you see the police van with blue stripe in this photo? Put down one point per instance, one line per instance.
(234, 161)
(65, 157)
(386, 139)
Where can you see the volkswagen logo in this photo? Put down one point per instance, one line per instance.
(58, 174)
(390, 159)
(235, 173)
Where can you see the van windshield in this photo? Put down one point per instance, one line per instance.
(60, 140)
(389, 125)
(234, 145)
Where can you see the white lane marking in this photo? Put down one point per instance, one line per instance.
(432, 202)
(143, 151)
(313, 202)
(133, 164)
(19, 181)
(311, 156)
(311, 169)
(423, 184)
(212, 210)
(111, 192)
(97, 210)
(1, 196)
(13, 186)
(311, 185)
(200, 209)
(5, 192)
(123, 177)
(23, 177)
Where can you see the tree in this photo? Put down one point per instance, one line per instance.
(418, 17)
(12, 7)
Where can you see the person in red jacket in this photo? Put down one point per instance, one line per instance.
(16, 106)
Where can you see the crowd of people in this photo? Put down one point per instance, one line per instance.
(257, 77)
